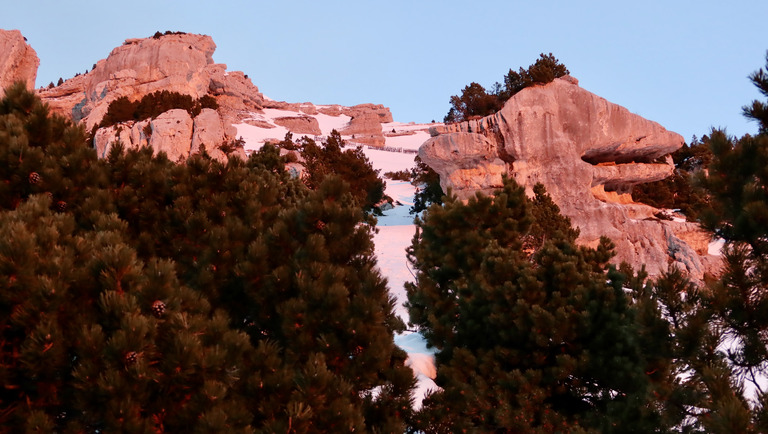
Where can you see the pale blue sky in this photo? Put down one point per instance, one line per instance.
(683, 64)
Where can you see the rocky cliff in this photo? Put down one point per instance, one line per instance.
(18, 61)
(588, 153)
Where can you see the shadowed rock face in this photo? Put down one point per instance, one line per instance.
(18, 61)
(588, 153)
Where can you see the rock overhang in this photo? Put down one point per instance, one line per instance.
(586, 151)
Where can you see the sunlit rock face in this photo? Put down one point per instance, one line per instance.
(18, 61)
(588, 153)
(180, 63)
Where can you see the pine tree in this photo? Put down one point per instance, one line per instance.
(351, 165)
(427, 183)
(137, 294)
(538, 339)
(733, 356)
(758, 111)
(100, 341)
(476, 101)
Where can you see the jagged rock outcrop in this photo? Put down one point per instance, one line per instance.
(588, 153)
(18, 61)
(183, 63)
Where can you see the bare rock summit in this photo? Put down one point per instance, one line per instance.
(18, 60)
(179, 62)
(588, 153)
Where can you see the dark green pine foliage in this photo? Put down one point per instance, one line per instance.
(427, 183)
(680, 350)
(42, 154)
(326, 305)
(351, 165)
(758, 111)
(737, 305)
(536, 339)
(203, 296)
(94, 339)
(476, 101)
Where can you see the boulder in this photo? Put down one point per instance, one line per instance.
(300, 124)
(208, 130)
(105, 138)
(365, 128)
(140, 133)
(18, 61)
(383, 115)
(172, 134)
(380, 113)
(302, 107)
(330, 110)
(588, 153)
(211, 131)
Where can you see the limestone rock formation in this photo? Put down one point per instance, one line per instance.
(208, 131)
(588, 153)
(364, 125)
(365, 128)
(172, 134)
(301, 107)
(105, 138)
(300, 124)
(18, 61)
(383, 115)
(179, 63)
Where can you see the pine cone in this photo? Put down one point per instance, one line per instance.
(34, 178)
(131, 357)
(158, 308)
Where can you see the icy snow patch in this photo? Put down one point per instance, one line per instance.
(329, 123)
(410, 141)
(422, 361)
(716, 247)
(395, 231)
(255, 137)
(389, 161)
